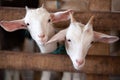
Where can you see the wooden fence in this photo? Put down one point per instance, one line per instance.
(60, 63)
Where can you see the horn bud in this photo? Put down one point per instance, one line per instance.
(71, 17)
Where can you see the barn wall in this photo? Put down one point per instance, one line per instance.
(84, 5)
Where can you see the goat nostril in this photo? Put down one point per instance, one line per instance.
(79, 62)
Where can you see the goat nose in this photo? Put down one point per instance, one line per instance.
(42, 35)
(79, 62)
(42, 38)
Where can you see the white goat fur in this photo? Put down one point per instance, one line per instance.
(39, 25)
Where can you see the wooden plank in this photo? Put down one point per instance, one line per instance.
(97, 77)
(103, 20)
(8, 13)
(100, 5)
(99, 49)
(94, 64)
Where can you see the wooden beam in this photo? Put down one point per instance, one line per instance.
(97, 77)
(103, 20)
(8, 13)
(37, 61)
(99, 49)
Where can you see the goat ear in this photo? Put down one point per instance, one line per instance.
(13, 25)
(60, 16)
(100, 37)
(60, 36)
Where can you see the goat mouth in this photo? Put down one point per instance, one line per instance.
(43, 41)
(42, 44)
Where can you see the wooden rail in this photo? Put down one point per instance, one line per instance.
(97, 77)
(94, 64)
(103, 20)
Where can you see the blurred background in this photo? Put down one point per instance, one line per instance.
(81, 5)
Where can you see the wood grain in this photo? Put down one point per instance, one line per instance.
(103, 20)
(60, 63)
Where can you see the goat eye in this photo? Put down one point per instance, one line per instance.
(69, 40)
(49, 20)
(92, 42)
(27, 24)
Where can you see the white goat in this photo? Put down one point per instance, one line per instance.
(39, 24)
(78, 39)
